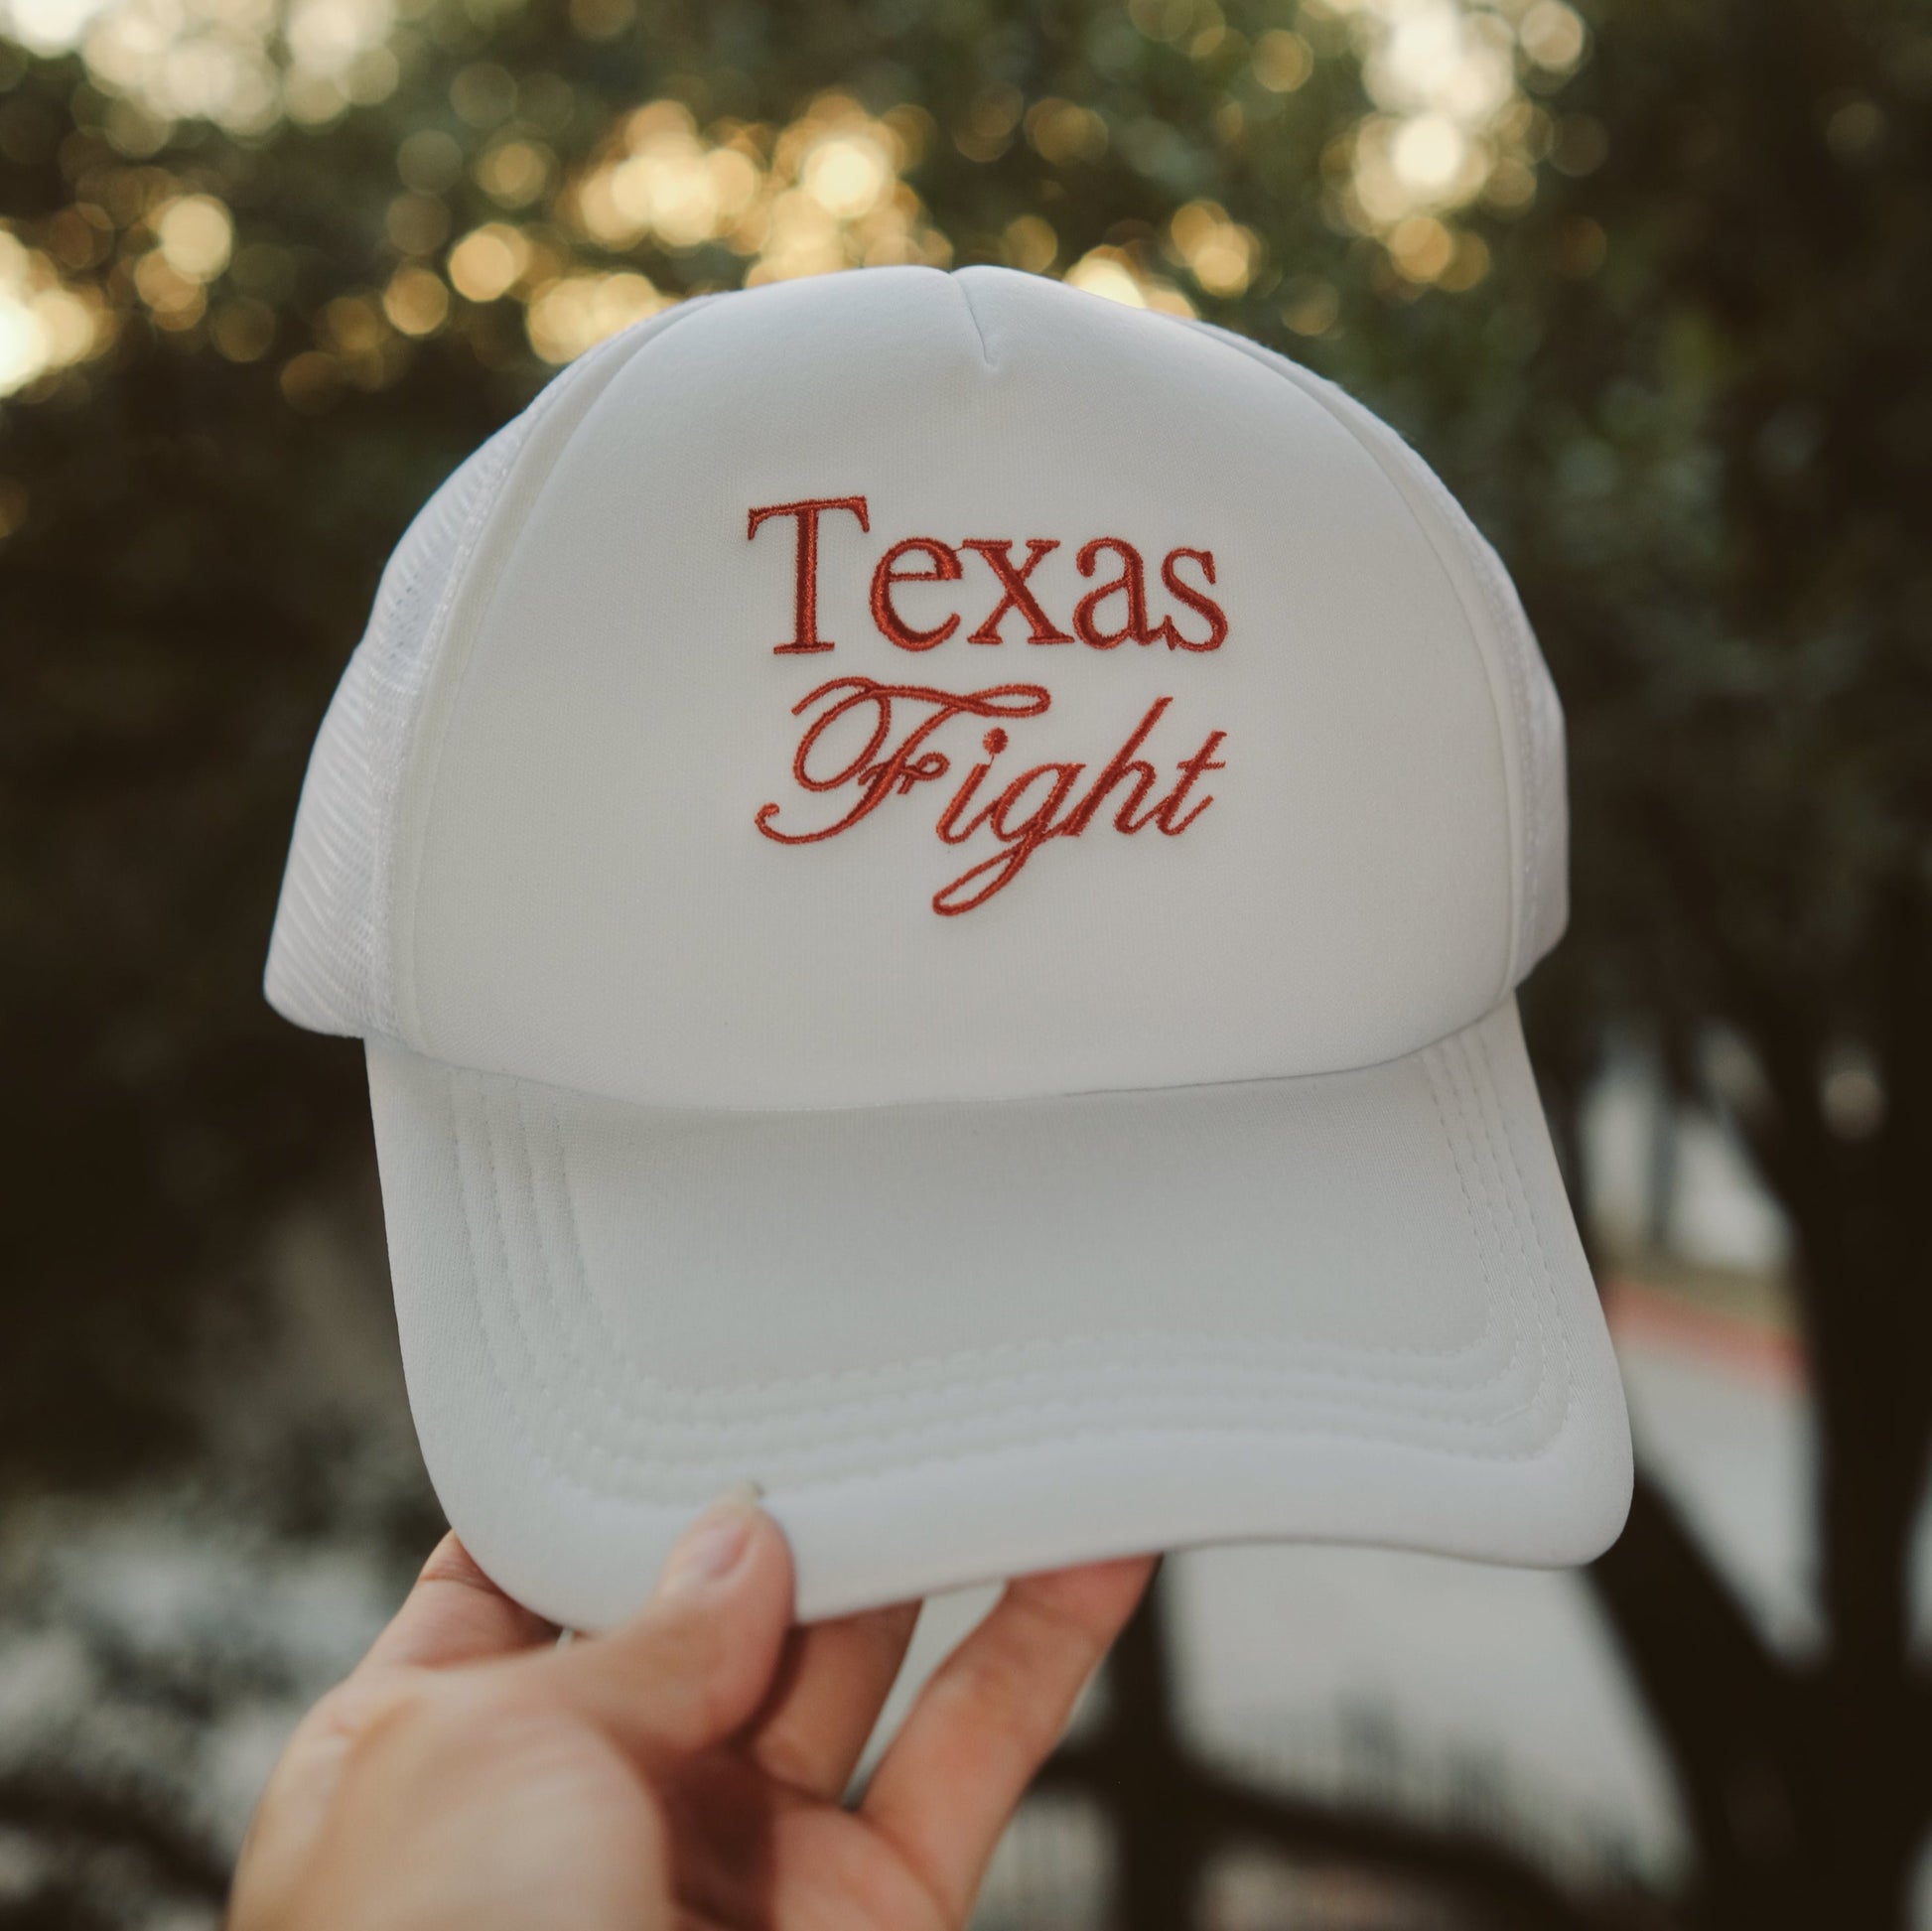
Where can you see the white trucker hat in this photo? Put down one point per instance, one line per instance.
(934, 871)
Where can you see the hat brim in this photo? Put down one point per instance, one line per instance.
(959, 1342)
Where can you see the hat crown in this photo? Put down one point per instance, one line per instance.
(901, 687)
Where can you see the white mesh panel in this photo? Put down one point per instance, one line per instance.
(1532, 714)
(329, 958)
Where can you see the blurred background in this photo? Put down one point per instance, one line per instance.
(1648, 281)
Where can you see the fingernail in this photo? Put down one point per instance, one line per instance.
(708, 1549)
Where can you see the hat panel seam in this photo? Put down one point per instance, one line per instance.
(1324, 395)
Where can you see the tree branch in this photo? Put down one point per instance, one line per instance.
(1726, 1706)
(56, 1805)
(1501, 1889)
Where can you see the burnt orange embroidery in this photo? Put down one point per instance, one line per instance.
(1131, 582)
(899, 724)
(1202, 606)
(1019, 840)
(945, 570)
(1016, 596)
(1203, 760)
(904, 766)
(995, 742)
(804, 626)
(1125, 759)
(1028, 809)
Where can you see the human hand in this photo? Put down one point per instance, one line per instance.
(683, 1773)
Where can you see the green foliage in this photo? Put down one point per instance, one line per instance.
(1668, 342)
(1687, 398)
(199, 512)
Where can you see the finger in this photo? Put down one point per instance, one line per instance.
(834, 1682)
(693, 1666)
(988, 1719)
(721, 1809)
(454, 1615)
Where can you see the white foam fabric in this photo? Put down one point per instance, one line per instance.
(958, 1342)
(1188, 1184)
(330, 962)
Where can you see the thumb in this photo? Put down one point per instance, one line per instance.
(693, 1666)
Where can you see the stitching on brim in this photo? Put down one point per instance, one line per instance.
(807, 1387)
(1141, 1422)
(1541, 1291)
(1277, 1377)
(810, 1402)
(1527, 1217)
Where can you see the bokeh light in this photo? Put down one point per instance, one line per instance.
(196, 236)
(1116, 275)
(45, 325)
(1220, 254)
(577, 311)
(1282, 60)
(496, 206)
(1451, 124)
(242, 64)
(488, 262)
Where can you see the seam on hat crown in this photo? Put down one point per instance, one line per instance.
(326, 963)
(963, 283)
(1528, 716)
(335, 964)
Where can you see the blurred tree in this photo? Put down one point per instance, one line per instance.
(1649, 290)
(1730, 560)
